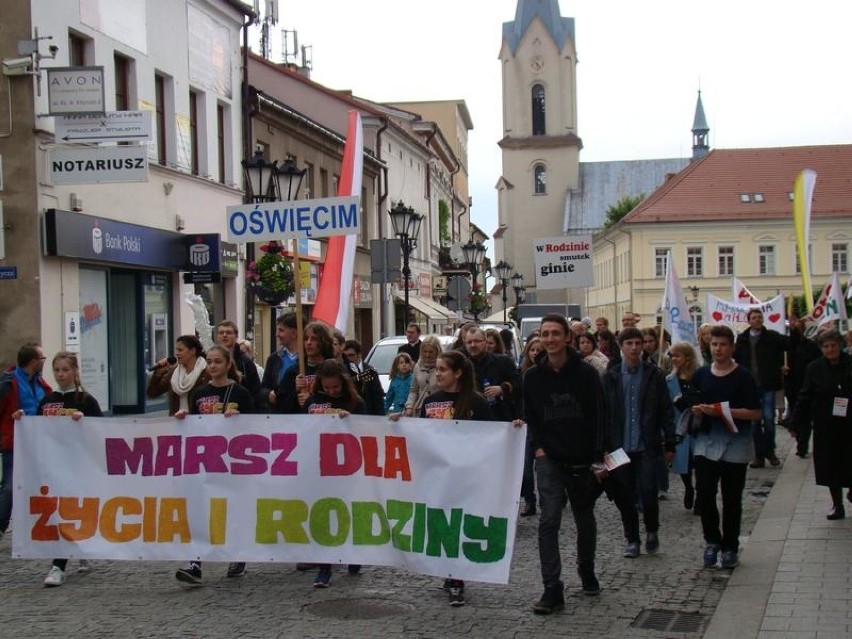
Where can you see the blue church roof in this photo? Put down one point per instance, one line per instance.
(548, 12)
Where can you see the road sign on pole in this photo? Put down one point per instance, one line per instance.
(93, 165)
(75, 90)
(115, 126)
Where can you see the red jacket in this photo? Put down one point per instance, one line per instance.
(9, 404)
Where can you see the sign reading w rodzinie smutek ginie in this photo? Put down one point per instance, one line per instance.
(324, 217)
(563, 262)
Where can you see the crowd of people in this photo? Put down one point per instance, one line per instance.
(587, 394)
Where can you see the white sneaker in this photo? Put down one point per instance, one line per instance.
(56, 577)
(85, 566)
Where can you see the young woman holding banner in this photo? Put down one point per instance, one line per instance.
(333, 392)
(70, 399)
(456, 399)
(223, 395)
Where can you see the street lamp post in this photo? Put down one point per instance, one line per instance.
(694, 308)
(406, 226)
(503, 269)
(267, 182)
(474, 253)
(518, 286)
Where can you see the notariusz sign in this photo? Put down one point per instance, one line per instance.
(324, 217)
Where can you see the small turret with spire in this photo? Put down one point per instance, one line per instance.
(700, 146)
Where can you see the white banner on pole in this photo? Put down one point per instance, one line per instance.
(438, 497)
(735, 315)
(563, 262)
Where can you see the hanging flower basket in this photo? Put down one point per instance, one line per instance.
(271, 277)
(478, 301)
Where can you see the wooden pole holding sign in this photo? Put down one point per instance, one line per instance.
(300, 324)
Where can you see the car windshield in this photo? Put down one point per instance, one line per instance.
(382, 357)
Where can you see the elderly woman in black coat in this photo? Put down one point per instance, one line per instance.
(825, 398)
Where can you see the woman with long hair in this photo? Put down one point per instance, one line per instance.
(494, 341)
(531, 351)
(182, 378)
(456, 399)
(608, 346)
(703, 336)
(295, 388)
(824, 400)
(684, 395)
(222, 395)
(71, 399)
(423, 381)
(333, 392)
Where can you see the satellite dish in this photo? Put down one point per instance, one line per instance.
(456, 253)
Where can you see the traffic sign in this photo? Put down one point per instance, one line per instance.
(75, 90)
(115, 126)
(92, 165)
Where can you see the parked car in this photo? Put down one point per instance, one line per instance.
(383, 352)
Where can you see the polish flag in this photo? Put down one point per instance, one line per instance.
(724, 409)
(334, 296)
(742, 295)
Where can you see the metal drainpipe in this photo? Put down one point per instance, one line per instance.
(385, 320)
(248, 299)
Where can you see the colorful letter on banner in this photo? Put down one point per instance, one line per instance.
(829, 306)
(735, 315)
(312, 488)
(803, 193)
(335, 289)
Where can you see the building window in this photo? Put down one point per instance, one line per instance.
(309, 181)
(540, 179)
(122, 82)
(726, 260)
(538, 120)
(661, 256)
(695, 261)
(810, 260)
(160, 112)
(193, 132)
(76, 50)
(221, 139)
(323, 183)
(840, 258)
(766, 260)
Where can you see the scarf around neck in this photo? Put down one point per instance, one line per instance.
(183, 382)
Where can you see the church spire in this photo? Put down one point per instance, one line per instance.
(700, 147)
(560, 29)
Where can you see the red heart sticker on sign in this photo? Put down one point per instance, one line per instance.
(717, 316)
(774, 317)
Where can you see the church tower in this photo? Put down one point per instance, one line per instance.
(540, 146)
(700, 130)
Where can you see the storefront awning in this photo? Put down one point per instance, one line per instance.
(434, 311)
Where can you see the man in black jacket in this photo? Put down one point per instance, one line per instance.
(285, 356)
(761, 351)
(565, 411)
(642, 423)
(803, 351)
(497, 377)
(412, 333)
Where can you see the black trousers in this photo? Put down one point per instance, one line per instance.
(709, 476)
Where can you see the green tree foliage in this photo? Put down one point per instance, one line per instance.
(621, 208)
(444, 223)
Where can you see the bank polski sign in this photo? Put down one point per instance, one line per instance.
(324, 217)
(563, 262)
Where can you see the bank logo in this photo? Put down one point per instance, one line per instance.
(97, 240)
(199, 253)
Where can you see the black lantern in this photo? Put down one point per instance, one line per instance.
(406, 226)
(503, 269)
(474, 253)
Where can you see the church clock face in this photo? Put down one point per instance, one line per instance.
(537, 64)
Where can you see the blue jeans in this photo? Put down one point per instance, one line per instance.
(6, 490)
(555, 482)
(764, 433)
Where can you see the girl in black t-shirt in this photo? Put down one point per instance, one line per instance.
(71, 400)
(333, 393)
(222, 395)
(457, 399)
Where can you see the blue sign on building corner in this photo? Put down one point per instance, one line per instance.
(8, 272)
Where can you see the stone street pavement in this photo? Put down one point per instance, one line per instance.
(664, 595)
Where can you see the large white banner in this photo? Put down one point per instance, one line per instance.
(438, 497)
(735, 315)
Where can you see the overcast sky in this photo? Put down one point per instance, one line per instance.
(772, 72)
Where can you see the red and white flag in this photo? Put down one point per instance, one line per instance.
(741, 293)
(724, 409)
(334, 296)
